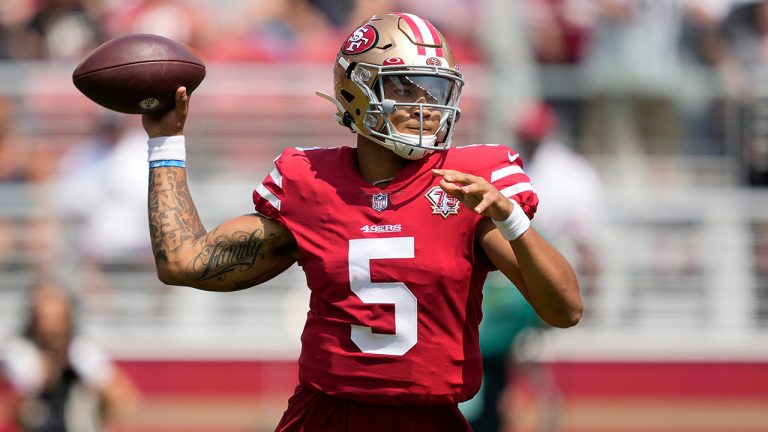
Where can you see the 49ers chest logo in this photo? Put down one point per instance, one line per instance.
(442, 203)
(361, 40)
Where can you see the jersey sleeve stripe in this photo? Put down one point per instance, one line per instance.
(516, 189)
(277, 177)
(269, 196)
(506, 171)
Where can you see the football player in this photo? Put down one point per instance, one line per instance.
(395, 235)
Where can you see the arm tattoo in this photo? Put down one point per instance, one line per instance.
(224, 254)
(173, 217)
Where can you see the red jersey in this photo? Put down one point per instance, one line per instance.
(395, 274)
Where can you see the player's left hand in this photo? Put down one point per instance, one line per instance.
(475, 193)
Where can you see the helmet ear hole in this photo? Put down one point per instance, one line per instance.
(371, 122)
(349, 97)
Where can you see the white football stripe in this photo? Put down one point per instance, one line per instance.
(277, 177)
(516, 189)
(269, 196)
(506, 171)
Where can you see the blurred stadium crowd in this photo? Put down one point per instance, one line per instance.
(661, 73)
(640, 87)
(303, 30)
(666, 99)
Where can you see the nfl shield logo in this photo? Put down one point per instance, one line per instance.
(380, 202)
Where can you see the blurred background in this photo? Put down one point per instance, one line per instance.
(644, 127)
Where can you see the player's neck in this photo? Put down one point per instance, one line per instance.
(377, 163)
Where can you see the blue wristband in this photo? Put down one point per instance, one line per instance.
(167, 163)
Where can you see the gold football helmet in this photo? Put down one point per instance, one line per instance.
(398, 61)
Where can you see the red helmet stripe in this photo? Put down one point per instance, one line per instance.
(421, 50)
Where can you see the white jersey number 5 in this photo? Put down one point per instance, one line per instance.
(361, 252)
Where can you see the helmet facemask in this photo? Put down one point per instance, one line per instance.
(411, 110)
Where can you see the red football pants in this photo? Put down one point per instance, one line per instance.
(316, 412)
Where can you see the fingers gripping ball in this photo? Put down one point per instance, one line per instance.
(138, 73)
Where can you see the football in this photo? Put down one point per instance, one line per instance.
(138, 73)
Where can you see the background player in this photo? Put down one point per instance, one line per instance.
(395, 236)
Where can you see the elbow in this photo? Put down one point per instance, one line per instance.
(569, 316)
(569, 320)
(165, 278)
(570, 308)
(168, 275)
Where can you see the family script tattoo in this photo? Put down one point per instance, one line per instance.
(223, 254)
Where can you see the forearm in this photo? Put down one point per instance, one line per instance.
(173, 218)
(538, 270)
(548, 280)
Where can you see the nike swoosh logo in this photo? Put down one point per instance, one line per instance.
(512, 158)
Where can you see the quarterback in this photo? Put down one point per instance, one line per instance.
(396, 236)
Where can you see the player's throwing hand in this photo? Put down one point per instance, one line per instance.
(475, 193)
(171, 122)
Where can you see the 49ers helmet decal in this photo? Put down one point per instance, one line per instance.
(361, 40)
